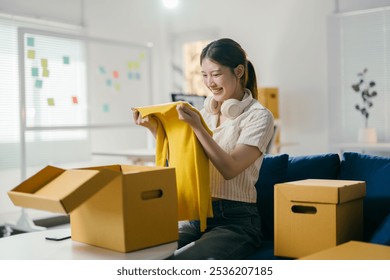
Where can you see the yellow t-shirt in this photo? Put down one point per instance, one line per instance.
(177, 143)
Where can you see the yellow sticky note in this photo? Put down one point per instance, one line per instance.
(117, 87)
(44, 62)
(45, 72)
(31, 54)
(50, 102)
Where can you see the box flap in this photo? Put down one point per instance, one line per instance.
(128, 169)
(113, 167)
(58, 190)
(323, 191)
(352, 250)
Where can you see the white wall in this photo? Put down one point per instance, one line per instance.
(285, 39)
(134, 21)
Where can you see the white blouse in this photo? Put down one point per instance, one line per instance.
(253, 127)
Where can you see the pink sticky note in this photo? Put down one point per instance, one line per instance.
(115, 74)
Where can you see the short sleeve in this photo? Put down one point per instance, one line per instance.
(257, 129)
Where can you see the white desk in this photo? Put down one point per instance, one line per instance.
(137, 156)
(363, 147)
(34, 246)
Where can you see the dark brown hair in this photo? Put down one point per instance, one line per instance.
(229, 53)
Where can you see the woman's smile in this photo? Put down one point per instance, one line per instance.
(216, 91)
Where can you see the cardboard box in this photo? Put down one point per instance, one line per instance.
(269, 98)
(119, 207)
(313, 215)
(353, 250)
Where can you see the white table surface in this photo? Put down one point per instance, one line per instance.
(365, 146)
(380, 148)
(136, 155)
(34, 246)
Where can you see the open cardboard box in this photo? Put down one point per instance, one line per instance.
(118, 207)
(313, 215)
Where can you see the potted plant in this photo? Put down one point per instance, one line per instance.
(366, 92)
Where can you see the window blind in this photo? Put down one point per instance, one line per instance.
(358, 41)
(9, 96)
(55, 95)
(55, 90)
(9, 88)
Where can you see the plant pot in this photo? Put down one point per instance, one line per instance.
(367, 135)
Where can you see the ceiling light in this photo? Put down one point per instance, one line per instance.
(170, 4)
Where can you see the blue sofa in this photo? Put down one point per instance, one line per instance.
(374, 170)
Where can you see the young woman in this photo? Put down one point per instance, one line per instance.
(242, 129)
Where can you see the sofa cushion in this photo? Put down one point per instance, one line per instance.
(375, 171)
(273, 170)
(382, 234)
(321, 166)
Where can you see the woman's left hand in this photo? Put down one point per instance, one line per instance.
(189, 116)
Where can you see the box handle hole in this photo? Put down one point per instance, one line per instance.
(301, 209)
(153, 194)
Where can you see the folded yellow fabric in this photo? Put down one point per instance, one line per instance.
(177, 142)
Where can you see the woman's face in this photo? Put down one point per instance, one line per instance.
(221, 81)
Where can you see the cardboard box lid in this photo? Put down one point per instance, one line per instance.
(58, 190)
(353, 250)
(323, 191)
(126, 169)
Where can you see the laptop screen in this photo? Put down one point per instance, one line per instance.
(195, 100)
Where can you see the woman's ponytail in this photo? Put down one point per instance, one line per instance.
(251, 84)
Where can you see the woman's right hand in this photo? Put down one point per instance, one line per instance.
(148, 122)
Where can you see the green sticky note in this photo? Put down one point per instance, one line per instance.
(45, 72)
(66, 60)
(102, 70)
(44, 62)
(31, 54)
(106, 108)
(34, 72)
(50, 102)
(108, 82)
(30, 41)
(38, 83)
